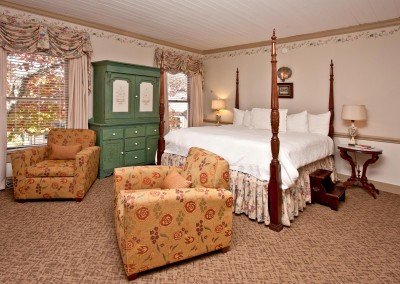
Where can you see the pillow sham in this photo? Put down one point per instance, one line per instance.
(175, 180)
(59, 152)
(247, 118)
(297, 122)
(261, 119)
(238, 116)
(319, 123)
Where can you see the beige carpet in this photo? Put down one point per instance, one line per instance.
(69, 242)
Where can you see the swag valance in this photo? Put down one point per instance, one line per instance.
(31, 37)
(176, 62)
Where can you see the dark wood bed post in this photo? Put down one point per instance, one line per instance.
(331, 102)
(275, 182)
(161, 141)
(237, 89)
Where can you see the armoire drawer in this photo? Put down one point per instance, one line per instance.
(152, 129)
(136, 131)
(109, 134)
(135, 143)
(135, 157)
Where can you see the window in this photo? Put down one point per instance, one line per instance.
(178, 100)
(36, 98)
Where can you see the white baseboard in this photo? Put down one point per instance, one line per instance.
(387, 187)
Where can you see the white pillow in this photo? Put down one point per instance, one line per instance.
(238, 116)
(247, 118)
(297, 122)
(261, 119)
(319, 123)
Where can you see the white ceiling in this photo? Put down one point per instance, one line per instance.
(210, 24)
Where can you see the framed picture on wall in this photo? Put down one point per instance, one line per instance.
(285, 90)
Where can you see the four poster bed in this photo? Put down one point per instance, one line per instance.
(266, 194)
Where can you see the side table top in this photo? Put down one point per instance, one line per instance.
(359, 149)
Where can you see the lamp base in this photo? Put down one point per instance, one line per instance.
(353, 131)
(218, 117)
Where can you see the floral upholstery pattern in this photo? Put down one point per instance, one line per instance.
(155, 227)
(205, 169)
(35, 177)
(251, 194)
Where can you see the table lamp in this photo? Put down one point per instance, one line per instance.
(218, 105)
(353, 113)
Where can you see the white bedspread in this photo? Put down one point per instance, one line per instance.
(249, 151)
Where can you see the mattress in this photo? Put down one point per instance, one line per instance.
(248, 150)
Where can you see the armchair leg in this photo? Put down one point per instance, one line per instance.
(78, 199)
(226, 249)
(132, 276)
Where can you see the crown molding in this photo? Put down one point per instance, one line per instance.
(96, 26)
(327, 33)
(334, 32)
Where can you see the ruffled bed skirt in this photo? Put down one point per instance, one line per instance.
(251, 194)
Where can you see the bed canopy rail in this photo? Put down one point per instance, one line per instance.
(275, 182)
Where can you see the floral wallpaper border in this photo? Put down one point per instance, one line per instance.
(370, 34)
(25, 16)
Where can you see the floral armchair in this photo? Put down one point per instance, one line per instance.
(157, 226)
(36, 177)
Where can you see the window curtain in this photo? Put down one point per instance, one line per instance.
(78, 89)
(3, 118)
(176, 62)
(196, 100)
(30, 37)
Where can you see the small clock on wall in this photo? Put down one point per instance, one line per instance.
(284, 73)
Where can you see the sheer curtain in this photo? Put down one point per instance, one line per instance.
(196, 100)
(3, 118)
(78, 89)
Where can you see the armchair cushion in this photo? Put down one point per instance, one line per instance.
(59, 152)
(175, 180)
(52, 168)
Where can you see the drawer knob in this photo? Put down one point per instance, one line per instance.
(136, 96)
(114, 134)
(148, 148)
(135, 144)
(135, 157)
(135, 131)
(155, 130)
(122, 153)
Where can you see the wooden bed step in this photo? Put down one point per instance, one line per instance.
(324, 191)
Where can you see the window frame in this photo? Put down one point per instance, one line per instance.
(64, 100)
(180, 101)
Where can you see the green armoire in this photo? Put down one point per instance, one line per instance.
(125, 114)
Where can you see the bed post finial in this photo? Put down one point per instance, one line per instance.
(331, 102)
(275, 181)
(161, 141)
(237, 89)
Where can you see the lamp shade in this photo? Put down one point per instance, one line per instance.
(218, 104)
(356, 112)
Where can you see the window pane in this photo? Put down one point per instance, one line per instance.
(177, 87)
(178, 115)
(36, 98)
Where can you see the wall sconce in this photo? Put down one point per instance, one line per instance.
(218, 105)
(284, 73)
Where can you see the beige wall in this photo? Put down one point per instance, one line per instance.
(366, 72)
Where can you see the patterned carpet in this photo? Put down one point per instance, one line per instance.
(69, 242)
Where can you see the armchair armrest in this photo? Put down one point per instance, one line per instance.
(141, 177)
(22, 159)
(86, 168)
